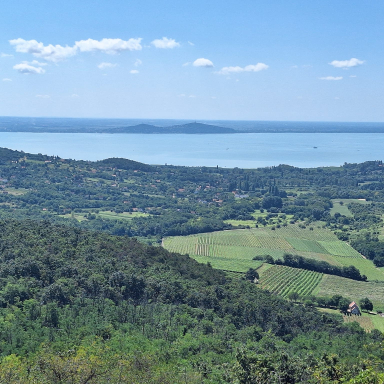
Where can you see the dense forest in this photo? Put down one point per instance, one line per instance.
(77, 303)
(82, 301)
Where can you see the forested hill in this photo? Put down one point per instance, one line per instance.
(190, 128)
(72, 127)
(114, 307)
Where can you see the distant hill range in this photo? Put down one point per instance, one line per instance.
(189, 128)
(142, 126)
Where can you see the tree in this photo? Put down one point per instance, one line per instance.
(366, 304)
(251, 274)
(293, 296)
(343, 304)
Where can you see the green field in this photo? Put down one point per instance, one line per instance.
(235, 249)
(343, 208)
(282, 280)
(352, 289)
(16, 191)
(123, 216)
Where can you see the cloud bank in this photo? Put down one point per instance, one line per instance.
(109, 46)
(56, 53)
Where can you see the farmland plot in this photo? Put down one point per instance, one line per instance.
(282, 280)
(241, 245)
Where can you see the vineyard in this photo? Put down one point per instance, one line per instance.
(234, 250)
(282, 280)
(339, 248)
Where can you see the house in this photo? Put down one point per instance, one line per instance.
(353, 309)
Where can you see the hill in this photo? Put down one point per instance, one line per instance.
(190, 128)
(102, 302)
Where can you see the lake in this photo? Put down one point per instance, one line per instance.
(249, 150)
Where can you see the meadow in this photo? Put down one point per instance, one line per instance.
(355, 290)
(341, 206)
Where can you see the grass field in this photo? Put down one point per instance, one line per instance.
(123, 216)
(235, 249)
(352, 289)
(364, 321)
(16, 191)
(343, 207)
(282, 280)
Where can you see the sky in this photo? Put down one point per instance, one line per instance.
(296, 60)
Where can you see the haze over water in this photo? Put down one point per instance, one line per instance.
(249, 150)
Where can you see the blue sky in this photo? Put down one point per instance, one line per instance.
(295, 60)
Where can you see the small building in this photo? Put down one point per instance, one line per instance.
(353, 309)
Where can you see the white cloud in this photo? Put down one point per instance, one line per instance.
(186, 64)
(56, 53)
(346, 63)
(192, 96)
(75, 96)
(6, 79)
(190, 43)
(43, 96)
(352, 76)
(134, 72)
(49, 52)
(35, 62)
(109, 46)
(137, 63)
(249, 68)
(106, 65)
(29, 69)
(165, 43)
(5, 55)
(331, 78)
(202, 63)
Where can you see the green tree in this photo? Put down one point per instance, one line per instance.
(366, 304)
(293, 296)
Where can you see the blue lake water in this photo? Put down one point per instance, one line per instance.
(249, 150)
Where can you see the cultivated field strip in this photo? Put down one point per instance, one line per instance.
(317, 234)
(229, 264)
(366, 267)
(244, 244)
(339, 248)
(306, 245)
(282, 280)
